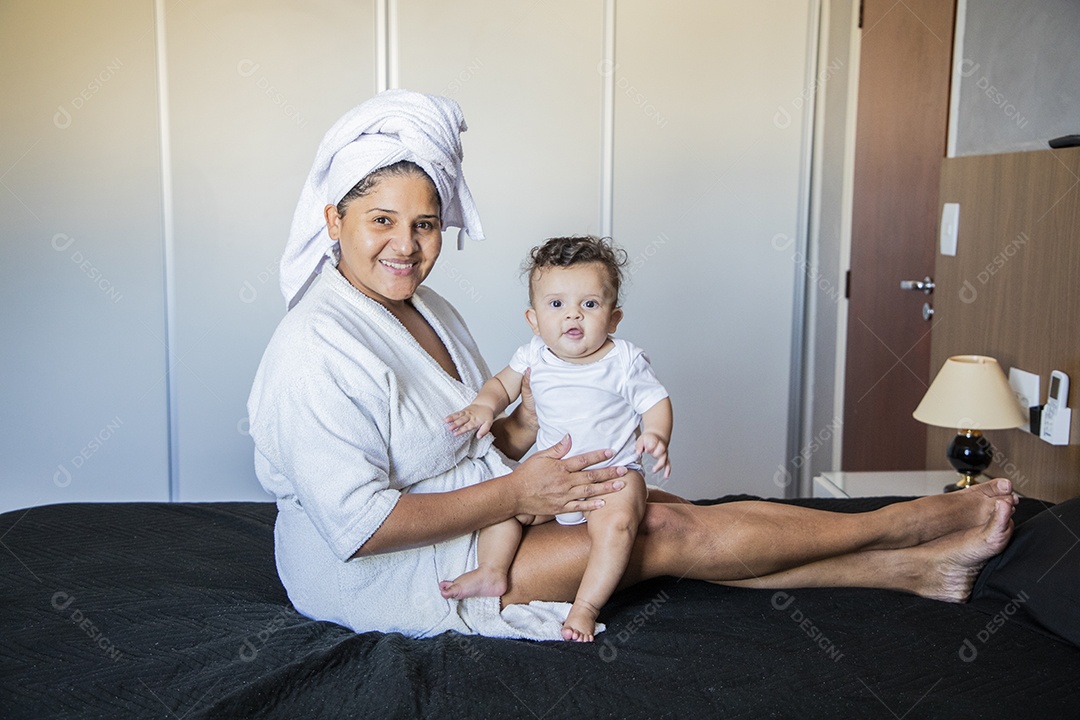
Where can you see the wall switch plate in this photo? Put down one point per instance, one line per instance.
(1025, 386)
(950, 227)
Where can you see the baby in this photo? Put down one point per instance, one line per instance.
(595, 388)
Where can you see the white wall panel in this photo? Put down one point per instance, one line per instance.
(253, 86)
(526, 77)
(708, 151)
(82, 364)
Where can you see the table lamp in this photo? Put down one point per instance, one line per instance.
(971, 394)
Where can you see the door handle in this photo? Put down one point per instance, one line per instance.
(926, 285)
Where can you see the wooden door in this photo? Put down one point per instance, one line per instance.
(904, 72)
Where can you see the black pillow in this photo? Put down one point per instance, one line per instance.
(1037, 578)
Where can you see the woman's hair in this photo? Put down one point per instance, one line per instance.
(567, 251)
(369, 181)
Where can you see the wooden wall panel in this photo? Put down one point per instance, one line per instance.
(1013, 292)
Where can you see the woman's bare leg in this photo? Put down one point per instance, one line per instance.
(954, 559)
(752, 539)
(663, 496)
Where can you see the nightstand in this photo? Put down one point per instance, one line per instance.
(905, 483)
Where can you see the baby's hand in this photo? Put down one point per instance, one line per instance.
(656, 446)
(474, 416)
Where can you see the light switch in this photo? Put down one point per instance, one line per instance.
(950, 227)
(1025, 386)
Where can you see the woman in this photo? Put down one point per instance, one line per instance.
(378, 501)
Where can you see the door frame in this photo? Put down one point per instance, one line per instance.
(792, 483)
(817, 445)
(847, 212)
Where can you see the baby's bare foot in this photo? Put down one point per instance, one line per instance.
(952, 563)
(481, 582)
(580, 625)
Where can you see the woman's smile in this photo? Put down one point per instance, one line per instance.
(399, 266)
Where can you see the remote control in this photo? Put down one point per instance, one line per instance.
(1055, 402)
(1065, 141)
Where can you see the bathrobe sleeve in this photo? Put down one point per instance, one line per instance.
(330, 444)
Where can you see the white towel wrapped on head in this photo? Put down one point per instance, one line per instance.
(394, 125)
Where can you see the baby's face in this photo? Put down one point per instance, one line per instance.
(572, 311)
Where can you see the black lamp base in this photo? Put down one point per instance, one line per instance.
(965, 481)
(970, 453)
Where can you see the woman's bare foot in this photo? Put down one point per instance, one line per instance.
(946, 568)
(481, 582)
(580, 625)
(996, 488)
(935, 516)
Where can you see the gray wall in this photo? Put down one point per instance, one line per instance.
(702, 189)
(246, 111)
(706, 173)
(1017, 69)
(82, 363)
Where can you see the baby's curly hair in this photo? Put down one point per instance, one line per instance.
(568, 251)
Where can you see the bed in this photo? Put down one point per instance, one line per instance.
(175, 611)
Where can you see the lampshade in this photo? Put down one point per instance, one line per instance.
(971, 393)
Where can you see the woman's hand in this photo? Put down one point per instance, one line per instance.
(550, 483)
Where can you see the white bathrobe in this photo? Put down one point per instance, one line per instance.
(347, 413)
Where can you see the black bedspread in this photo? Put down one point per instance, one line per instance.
(175, 611)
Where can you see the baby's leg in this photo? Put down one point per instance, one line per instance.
(612, 530)
(495, 551)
